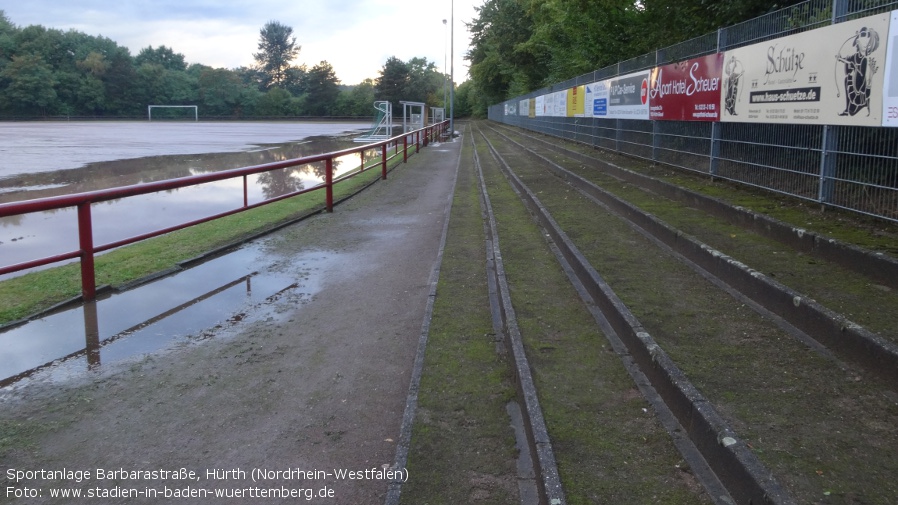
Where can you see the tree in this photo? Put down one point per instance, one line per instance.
(220, 91)
(7, 34)
(276, 102)
(322, 89)
(28, 86)
(162, 56)
(277, 48)
(357, 100)
(393, 80)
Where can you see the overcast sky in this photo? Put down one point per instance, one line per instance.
(355, 36)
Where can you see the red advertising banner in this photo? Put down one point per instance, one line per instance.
(688, 90)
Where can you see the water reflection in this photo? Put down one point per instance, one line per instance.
(27, 237)
(236, 287)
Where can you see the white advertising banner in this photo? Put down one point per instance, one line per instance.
(539, 108)
(831, 75)
(890, 86)
(560, 101)
(596, 102)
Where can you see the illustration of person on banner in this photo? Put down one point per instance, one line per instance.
(733, 72)
(859, 69)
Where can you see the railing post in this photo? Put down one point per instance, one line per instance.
(362, 156)
(417, 141)
(245, 192)
(383, 162)
(405, 148)
(86, 243)
(329, 184)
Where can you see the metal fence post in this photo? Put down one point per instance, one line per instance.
(840, 11)
(383, 162)
(827, 164)
(715, 149)
(86, 243)
(617, 134)
(329, 184)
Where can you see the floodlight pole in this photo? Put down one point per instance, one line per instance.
(452, 71)
(445, 84)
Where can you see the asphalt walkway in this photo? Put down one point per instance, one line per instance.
(319, 386)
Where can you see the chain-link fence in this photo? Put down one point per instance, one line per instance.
(850, 167)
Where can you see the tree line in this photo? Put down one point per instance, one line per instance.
(50, 72)
(519, 46)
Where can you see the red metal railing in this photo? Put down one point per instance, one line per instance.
(83, 201)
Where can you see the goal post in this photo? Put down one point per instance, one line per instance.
(150, 108)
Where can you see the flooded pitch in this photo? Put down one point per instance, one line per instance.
(49, 159)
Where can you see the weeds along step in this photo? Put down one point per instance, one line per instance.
(833, 330)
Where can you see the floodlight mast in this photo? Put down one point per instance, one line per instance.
(452, 72)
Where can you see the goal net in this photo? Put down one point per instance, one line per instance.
(173, 112)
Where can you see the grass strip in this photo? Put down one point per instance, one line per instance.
(462, 447)
(28, 294)
(609, 445)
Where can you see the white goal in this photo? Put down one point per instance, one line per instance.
(151, 107)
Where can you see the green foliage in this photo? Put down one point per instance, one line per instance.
(416, 80)
(163, 56)
(277, 48)
(29, 85)
(322, 89)
(50, 72)
(518, 46)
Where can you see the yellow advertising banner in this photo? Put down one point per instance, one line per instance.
(831, 75)
(575, 100)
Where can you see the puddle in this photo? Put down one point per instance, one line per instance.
(205, 301)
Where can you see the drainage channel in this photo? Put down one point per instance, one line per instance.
(807, 389)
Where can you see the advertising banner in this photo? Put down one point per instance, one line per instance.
(831, 75)
(628, 96)
(596, 101)
(560, 101)
(548, 104)
(890, 87)
(575, 101)
(524, 107)
(539, 108)
(687, 91)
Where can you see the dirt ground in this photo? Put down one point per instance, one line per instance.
(317, 384)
